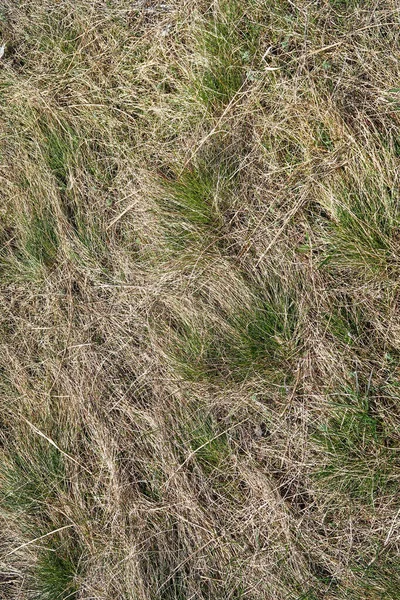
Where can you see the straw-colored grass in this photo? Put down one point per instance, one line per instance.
(200, 325)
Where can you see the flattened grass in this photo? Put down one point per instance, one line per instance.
(199, 308)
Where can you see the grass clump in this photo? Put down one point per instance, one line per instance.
(29, 482)
(190, 207)
(381, 578)
(267, 332)
(360, 458)
(349, 325)
(40, 244)
(211, 448)
(60, 150)
(230, 42)
(33, 484)
(55, 573)
(260, 340)
(34, 251)
(363, 233)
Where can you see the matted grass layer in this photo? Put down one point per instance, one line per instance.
(199, 300)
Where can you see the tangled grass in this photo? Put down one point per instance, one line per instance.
(200, 324)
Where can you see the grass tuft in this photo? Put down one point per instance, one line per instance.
(190, 207)
(35, 249)
(260, 340)
(28, 482)
(230, 42)
(358, 449)
(55, 574)
(363, 235)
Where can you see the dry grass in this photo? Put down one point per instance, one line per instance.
(200, 325)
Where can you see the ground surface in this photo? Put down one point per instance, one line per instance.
(199, 290)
